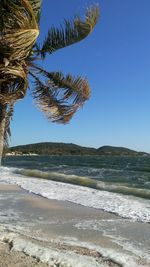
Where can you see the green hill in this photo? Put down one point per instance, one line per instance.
(109, 150)
(53, 149)
(50, 148)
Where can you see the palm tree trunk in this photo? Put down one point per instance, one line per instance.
(3, 108)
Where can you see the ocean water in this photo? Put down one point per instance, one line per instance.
(119, 185)
(125, 175)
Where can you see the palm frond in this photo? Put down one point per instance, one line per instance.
(36, 5)
(13, 83)
(19, 29)
(59, 97)
(72, 32)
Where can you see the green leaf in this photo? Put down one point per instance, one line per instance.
(72, 32)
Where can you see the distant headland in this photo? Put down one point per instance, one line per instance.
(50, 148)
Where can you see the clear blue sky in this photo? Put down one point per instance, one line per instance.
(116, 60)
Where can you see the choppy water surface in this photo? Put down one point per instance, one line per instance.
(119, 185)
(126, 175)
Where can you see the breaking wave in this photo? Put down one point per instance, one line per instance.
(86, 181)
(125, 206)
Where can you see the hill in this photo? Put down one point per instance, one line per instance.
(112, 150)
(53, 149)
(50, 148)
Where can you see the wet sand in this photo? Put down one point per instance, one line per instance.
(51, 223)
(8, 188)
(50, 218)
(11, 258)
(42, 219)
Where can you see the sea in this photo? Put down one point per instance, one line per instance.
(118, 185)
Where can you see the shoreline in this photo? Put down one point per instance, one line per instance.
(9, 250)
(12, 258)
(26, 251)
(125, 206)
(59, 229)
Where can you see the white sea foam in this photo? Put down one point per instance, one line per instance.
(126, 206)
(130, 240)
(55, 257)
(52, 257)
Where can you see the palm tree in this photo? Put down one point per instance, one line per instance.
(58, 96)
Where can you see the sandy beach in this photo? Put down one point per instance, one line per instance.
(8, 256)
(43, 209)
(35, 231)
(11, 258)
